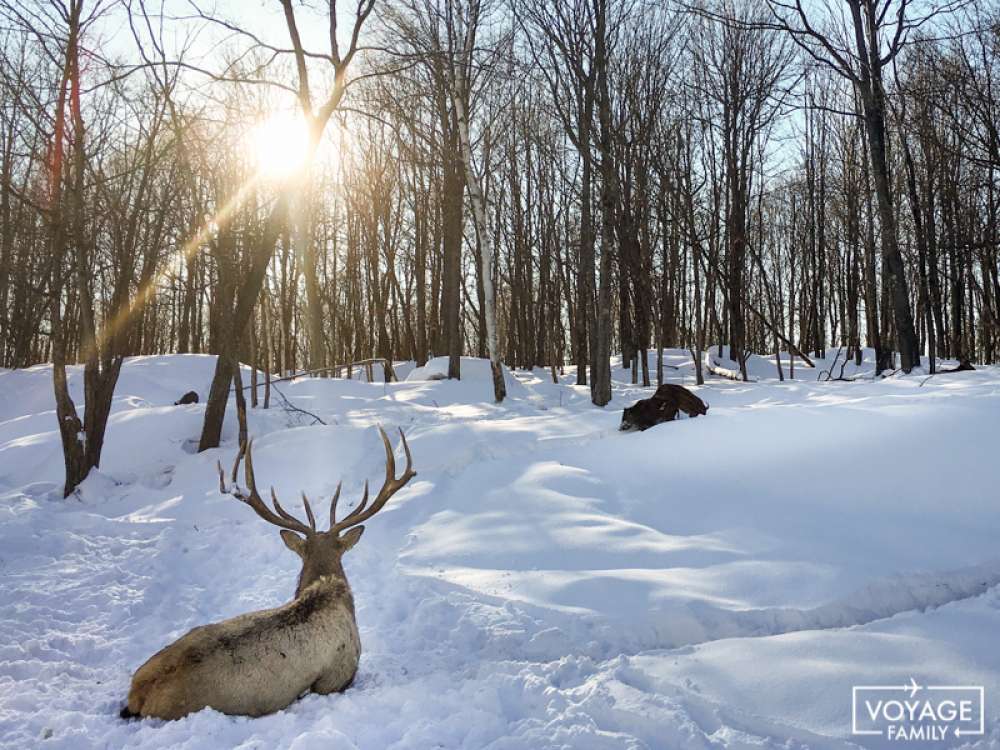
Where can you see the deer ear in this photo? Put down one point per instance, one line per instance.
(294, 542)
(351, 537)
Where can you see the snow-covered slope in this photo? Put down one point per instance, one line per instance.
(545, 581)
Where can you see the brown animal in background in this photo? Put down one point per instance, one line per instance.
(261, 662)
(191, 397)
(668, 400)
(682, 398)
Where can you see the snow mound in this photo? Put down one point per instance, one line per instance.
(473, 370)
(833, 365)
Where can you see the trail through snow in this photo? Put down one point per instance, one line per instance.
(544, 582)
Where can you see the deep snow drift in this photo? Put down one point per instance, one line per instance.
(544, 582)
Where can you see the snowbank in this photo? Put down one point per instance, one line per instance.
(476, 383)
(544, 582)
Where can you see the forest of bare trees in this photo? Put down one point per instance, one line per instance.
(545, 184)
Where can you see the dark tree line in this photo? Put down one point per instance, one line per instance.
(544, 184)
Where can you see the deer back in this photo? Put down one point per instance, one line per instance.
(256, 663)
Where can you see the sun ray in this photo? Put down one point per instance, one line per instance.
(144, 293)
(279, 148)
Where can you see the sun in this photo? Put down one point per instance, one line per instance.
(279, 146)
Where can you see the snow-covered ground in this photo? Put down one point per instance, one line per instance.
(544, 582)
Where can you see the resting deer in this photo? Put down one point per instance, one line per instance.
(261, 662)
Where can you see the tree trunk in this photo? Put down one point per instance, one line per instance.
(451, 286)
(873, 103)
(600, 385)
(314, 300)
(236, 322)
(485, 238)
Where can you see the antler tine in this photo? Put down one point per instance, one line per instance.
(280, 508)
(361, 505)
(390, 487)
(333, 505)
(253, 498)
(406, 450)
(349, 518)
(309, 512)
(236, 463)
(390, 457)
(248, 474)
(222, 477)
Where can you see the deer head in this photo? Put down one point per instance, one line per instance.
(320, 551)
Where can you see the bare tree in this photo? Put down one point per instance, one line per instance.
(878, 31)
(316, 119)
(463, 23)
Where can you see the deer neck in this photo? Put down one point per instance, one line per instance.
(321, 572)
(329, 593)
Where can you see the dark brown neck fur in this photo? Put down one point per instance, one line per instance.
(316, 568)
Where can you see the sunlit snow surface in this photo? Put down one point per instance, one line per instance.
(545, 581)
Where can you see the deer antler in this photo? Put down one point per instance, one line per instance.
(283, 519)
(390, 487)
